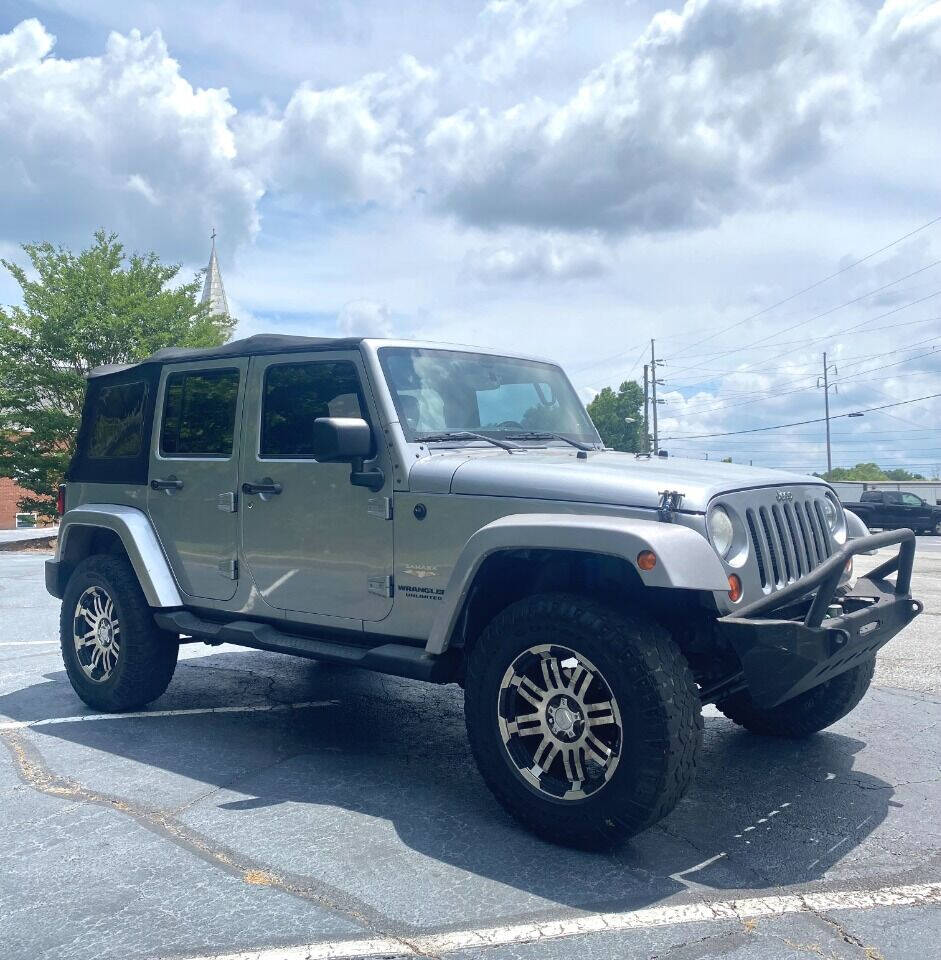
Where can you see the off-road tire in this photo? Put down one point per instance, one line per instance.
(659, 707)
(147, 656)
(806, 714)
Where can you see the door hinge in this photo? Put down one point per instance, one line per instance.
(380, 507)
(229, 569)
(381, 586)
(227, 502)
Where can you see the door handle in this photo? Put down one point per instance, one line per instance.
(170, 483)
(269, 487)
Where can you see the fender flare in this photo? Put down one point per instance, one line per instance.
(855, 525)
(685, 559)
(134, 529)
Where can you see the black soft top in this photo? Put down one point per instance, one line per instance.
(261, 343)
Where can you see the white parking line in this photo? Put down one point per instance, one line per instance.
(747, 909)
(28, 643)
(188, 712)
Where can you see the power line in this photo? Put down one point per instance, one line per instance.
(776, 392)
(812, 286)
(802, 341)
(801, 423)
(851, 360)
(839, 306)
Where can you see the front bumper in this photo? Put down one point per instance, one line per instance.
(804, 635)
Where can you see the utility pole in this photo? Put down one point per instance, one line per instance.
(654, 362)
(824, 382)
(646, 408)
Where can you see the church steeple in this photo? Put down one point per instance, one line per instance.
(213, 291)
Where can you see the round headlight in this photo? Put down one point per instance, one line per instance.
(835, 519)
(721, 531)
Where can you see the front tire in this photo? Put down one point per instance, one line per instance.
(584, 722)
(115, 656)
(806, 714)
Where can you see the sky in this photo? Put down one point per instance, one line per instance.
(749, 183)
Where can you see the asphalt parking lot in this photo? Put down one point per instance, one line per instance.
(276, 809)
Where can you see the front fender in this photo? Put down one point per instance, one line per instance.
(685, 560)
(855, 525)
(134, 529)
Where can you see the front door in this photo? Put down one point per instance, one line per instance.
(312, 541)
(915, 512)
(192, 498)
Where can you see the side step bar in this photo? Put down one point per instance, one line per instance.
(397, 659)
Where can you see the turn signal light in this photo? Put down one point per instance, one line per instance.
(735, 588)
(646, 559)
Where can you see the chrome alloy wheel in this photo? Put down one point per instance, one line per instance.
(559, 722)
(97, 634)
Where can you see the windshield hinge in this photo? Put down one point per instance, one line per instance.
(381, 586)
(380, 507)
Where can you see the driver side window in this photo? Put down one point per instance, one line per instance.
(296, 394)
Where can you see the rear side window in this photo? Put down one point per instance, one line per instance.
(118, 422)
(871, 495)
(296, 394)
(199, 413)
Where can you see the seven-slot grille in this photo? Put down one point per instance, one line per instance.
(788, 538)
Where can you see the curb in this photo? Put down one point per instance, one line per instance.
(40, 543)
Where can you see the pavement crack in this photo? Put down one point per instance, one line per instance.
(32, 770)
(868, 952)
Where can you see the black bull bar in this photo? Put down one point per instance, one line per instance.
(805, 634)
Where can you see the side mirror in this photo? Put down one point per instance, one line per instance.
(347, 440)
(341, 439)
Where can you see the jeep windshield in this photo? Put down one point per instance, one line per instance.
(441, 392)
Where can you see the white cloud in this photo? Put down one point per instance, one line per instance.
(121, 141)
(365, 318)
(539, 258)
(346, 144)
(905, 39)
(511, 32)
(702, 115)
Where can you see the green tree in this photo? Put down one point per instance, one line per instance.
(79, 311)
(862, 471)
(899, 474)
(619, 417)
(870, 471)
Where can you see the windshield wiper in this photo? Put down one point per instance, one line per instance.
(543, 435)
(465, 435)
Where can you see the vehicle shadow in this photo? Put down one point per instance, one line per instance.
(762, 813)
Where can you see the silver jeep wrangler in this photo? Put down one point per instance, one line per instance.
(451, 515)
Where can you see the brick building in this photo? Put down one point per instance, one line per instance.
(10, 493)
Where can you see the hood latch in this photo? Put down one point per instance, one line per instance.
(670, 502)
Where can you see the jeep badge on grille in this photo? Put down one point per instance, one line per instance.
(783, 496)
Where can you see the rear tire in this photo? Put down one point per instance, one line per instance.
(805, 714)
(114, 654)
(607, 732)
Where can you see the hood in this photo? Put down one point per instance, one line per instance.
(604, 476)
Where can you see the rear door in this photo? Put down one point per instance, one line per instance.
(314, 543)
(192, 496)
(892, 513)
